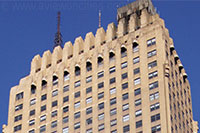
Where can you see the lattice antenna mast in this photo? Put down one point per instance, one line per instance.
(58, 35)
(99, 18)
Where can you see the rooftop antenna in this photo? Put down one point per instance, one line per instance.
(99, 18)
(58, 35)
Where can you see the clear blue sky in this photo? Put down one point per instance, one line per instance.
(28, 28)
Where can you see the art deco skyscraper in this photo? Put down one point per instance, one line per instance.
(127, 79)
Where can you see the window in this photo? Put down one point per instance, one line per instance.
(153, 85)
(137, 91)
(125, 85)
(32, 112)
(77, 84)
(101, 116)
(101, 106)
(125, 107)
(112, 91)
(124, 75)
(136, 71)
(138, 113)
(19, 96)
(77, 94)
(55, 80)
(53, 124)
(31, 122)
(112, 69)
(54, 113)
(101, 127)
(138, 102)
(17, 128)
(152, 64)
(65, 99)
(66, 88)
(100, 74)
(154, 106)
(54, 93)
(89, 121)
(151, 53)
(137, 81)
(100, 61)
(151, 42)
(113, 111)
(32, 131)
(88, 90)
(126, 129)
(113, 122)
(77, 71)
(111, 56)
(89, 100)
(77, 105)
(89, 79)
(139, 124)
(136, 60)
(65, 130)
(54, 103)
(125, 96)
(154, 96)
(100, 85)
(65, 119)
(113, 101)
(112, 80)
(43, 97)
(33, 101)
(33, 89)
(77, 115)
(123, 52)
(88, 66)
(66, 76)
(135, 47)
(65, 109)
(114, 131)
(42, 118)
(153, 74)
(19, 107)
(77, 125)
(88, 110)
(43, 108)
(89, 130)
(18, 118)
(100, 95)
(155, 129)
(125, 118)
(155, 117)
(42, 129)
(124, 65)
(44, 84)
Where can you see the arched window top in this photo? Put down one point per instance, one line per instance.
(77, 70)
(33, 89)
(55, 80)
(123, 51)
(66, 75)
(88, 66)
(111, 55)
(135, 47)
(100, 61)
(44, 84)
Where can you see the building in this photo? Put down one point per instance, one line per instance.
(127, 79)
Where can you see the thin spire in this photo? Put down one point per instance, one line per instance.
(58, 35)
(99, 18)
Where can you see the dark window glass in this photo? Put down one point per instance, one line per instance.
(43, 108)
(124, 75)
(66, 88)
(126, 129)
(100, 95)
(112, 80)
(100, 74)
(43, 97)
(125, 85)
(88, 90)
(18, 118)
(33, 89)
(77, 115)
(113, 101)
(101, 106)
(65, 109)
(65, 99)
(17, 128)
(138, 124)
(32, 112)
(155, 117)
(89, 110)
(137, 91)
(54, 103)
(136, 71)
(101, 85)
(77, 94)
(125, 96)
(19, 107)
(19, 96)
(89, 121)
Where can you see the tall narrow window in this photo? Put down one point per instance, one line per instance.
(123, 52)
(77, 71)
(44, 84)
(100, 61)
(19, 96)
(111, 56)
(135, 47)
(33, 89)
(88, 66)
(55, 80)
(66, 75)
